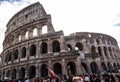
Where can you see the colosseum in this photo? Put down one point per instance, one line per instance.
(28, 49)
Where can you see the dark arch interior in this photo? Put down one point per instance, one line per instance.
(23, 52)
(32, 71)
(104, 66)
(69, 46)
(71, 68)
(32, 50)
(16, 54)
(43, 48)
(22, 73)
(79, 45)
(56, 46)
(44, 71)
(100, 51)
(14, 74)
(94, 67)
(85, 67)
(57, 68)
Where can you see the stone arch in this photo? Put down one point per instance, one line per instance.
(23, 53)
(44, 48)
(71, 68)
(22, 73)
(105, 51)
(44, 70)
(93, 49)
(110, 67)
(94, 67)
(19, 37)
(34, 32)
(110, 50)
(44, 29)
(14, 73)
(69, 47)
(10, 57)
(97, 41)
(15, 54)
(104, 67)
(57, 68)
(100, 51)
(79, 46)
(32, 71)
(84, 68)
(115, 68)
(8, 73)
(26, 35)
(56, 46)
(32, 50)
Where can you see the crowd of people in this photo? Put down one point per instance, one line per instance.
(107, 77)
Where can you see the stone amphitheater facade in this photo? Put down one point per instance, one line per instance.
(27, 49)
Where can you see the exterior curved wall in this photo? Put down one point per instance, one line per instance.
(27, 50)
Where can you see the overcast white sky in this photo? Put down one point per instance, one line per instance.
(102, 16)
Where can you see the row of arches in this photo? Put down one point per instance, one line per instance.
(26, 34)
(58, 69)
(78, 46)
(33, 49)
(104, 50)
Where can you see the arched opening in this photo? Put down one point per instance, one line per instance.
(84, 68)
(94, 67)
(35, 32)
(22, 73)
(57, 68)
(97, 41)
(32, 50)
(55, 46)
(105, 51)
(32, 71)
(44, 29)
(26, 35)
(104, 67)
(110, 68)
(44, 48)
(110, 52)
(93, 49)
(14, 74)
(9, 57)
(15, 54)
(71, 68)
(19, 38)
(69, 47)
(100, 51)
(44, 70)
(79, 46)
(23, 55)
(115, 68)
(8, 73)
